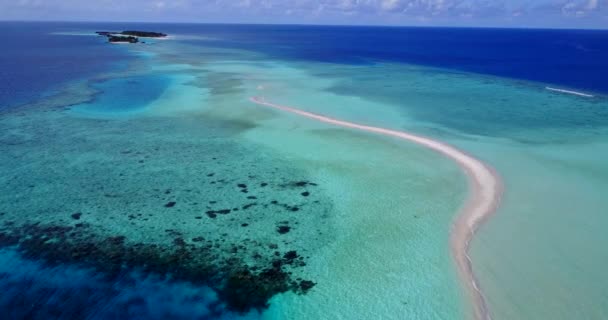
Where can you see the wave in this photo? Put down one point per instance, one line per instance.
(576, 93)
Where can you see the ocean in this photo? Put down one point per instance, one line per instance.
(143, 182)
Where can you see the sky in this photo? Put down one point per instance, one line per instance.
(473, 13)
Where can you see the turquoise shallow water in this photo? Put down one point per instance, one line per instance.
(539, 256)
(166, 169)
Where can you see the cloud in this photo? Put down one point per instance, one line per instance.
(476, 12)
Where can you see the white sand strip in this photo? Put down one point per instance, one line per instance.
(485, 193)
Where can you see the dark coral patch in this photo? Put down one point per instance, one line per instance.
(249, 205)
(290, 255)
(118, 240)
(283, 229)
(76, 216)
(301, 184)
(244, 290)
(306, 285)
(170, 204)
(241, 288)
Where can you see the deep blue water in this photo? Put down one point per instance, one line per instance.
(33, 290)
(571, 58)
(36, 61)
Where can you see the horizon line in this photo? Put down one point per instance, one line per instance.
(315, 25)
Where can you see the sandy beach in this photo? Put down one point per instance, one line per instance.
(484, 196)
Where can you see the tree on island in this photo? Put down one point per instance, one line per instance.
(144, 34)
(129, 39)
(129, 36)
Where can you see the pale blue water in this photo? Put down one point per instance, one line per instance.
(145, 184)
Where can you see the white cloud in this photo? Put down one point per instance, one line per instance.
(356, 11)
(390, 5)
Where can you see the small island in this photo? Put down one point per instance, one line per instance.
(144, 34)
(129, 36)
(129, 39)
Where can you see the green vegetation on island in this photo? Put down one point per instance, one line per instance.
(129, 36)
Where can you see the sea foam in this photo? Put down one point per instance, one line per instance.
(577, 93)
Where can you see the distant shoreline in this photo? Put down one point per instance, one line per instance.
(485, 194)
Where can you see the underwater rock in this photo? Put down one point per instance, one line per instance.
(223, 211)
(306, 285)
(290, 255)
(245, 290)
(249, 205)
(118, 240)
(76, 216)
(303, 184)
(170, 204)
(283, 229)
